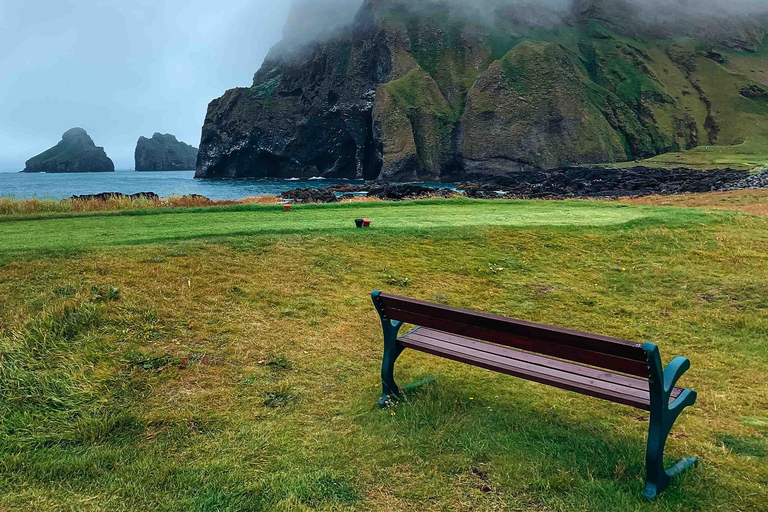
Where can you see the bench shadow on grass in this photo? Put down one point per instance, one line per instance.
(528, 446)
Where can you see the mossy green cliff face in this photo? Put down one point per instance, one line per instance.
(420, 91)
(536, 106)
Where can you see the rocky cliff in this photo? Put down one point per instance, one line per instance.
(164, 153)
(75, 153)
(431, 91)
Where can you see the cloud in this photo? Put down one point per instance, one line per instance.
(314, 19)
(123, 69)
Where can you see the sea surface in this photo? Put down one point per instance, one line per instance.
(164, 184)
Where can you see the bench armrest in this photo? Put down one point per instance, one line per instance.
(674, 370)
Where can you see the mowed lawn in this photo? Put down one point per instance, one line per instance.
(228, 359)
(82, 231)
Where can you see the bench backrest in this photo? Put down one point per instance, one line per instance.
(591, 349)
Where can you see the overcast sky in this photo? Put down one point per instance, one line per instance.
(123, 68)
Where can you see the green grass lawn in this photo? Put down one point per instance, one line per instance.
(228, 358)
(82, 231)
(749, 156)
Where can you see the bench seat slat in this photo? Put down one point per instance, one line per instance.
(620, 364)
(577, 339)
(596, 373)
(561, 374)
(427, 335)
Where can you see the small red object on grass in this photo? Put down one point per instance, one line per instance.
(366, 223)
(287, 207)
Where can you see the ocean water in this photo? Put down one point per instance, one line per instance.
(164, 184)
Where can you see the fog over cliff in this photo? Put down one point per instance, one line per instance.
(313, 19)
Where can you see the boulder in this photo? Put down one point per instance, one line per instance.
(106, 196)
(310, 195)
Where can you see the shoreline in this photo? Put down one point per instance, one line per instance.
(570, 183)
(749, 200)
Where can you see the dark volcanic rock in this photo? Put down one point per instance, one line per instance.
(164, 153)
(408, 191)
(310, 195)
(308, 113)
(715, 56)
(754, 92)
(759, 180)
(106, 196)
(482, 191)
(75, 153)
(605, 182)
(379, 190)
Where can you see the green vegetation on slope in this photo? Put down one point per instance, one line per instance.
(659, 97)
(601, 87)
(748, 156)
(238, 371)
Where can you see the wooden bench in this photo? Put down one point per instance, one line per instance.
(616, 370)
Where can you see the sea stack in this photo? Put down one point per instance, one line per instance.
(164, 153)
(75, 153)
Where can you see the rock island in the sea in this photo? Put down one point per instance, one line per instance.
(164, 153)
(75, 153)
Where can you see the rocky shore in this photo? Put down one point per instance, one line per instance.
(600, 181)
(571, 183)
(376, 190)
(106, 196)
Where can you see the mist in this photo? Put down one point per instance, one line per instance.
(649, 10)
(310, 20)
(663, 10)
(313, 20)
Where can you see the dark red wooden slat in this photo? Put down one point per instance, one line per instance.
(546, 372)
(425, 336)
(589, 357)
(576, 339)
(518, 369)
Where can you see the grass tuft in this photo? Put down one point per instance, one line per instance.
(279, 363)
(277, 399)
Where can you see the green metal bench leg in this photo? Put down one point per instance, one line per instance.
(663, 417)
(391, 352)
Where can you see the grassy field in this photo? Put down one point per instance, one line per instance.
(748, 156)
(228, 358)
(754, 202)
